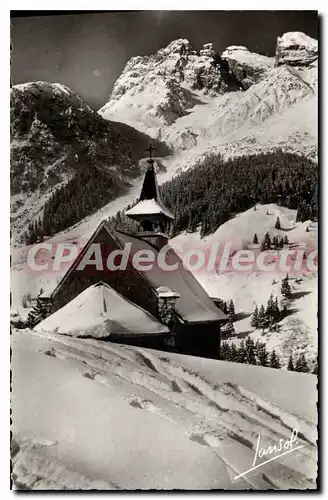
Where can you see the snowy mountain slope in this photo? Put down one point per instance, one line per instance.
(53, 135)
(162, 421)
(175, 67)
(194, 102)
(152, 96)
(236, 116)
(298, 331)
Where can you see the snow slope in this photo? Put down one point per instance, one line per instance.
(298, 331)
(94, 415)
(50, 127)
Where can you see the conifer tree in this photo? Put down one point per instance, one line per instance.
(250, 351)
(277, 224)
(286, 242)
(262, 318)
(267, 241)
(224, 351)
(275, 242)
(258, 346)
(272, 311)
(301, 364)
(241, 352)
(290, 365)
(255, 318)
(269, 308)
(263, 355)
(255, 239)
(276, 310)
(233, 352)
(286, 290)
(274, 360)
(37, 313)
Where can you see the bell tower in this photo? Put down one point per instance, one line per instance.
(150, 212)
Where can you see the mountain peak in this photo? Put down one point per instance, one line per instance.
(28, 86)
(296, 49)
(177, 46)
(248, 67)
(198, 99)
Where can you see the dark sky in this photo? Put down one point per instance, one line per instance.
(87, 52)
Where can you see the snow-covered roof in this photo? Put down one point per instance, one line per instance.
(165, 291)
(193, 305)
(147, 207)
(99, 311)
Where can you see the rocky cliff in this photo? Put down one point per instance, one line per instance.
(296, 49)
(207, 99)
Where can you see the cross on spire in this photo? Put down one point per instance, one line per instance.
(150, 150)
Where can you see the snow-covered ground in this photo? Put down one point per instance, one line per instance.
(298, 331)
(89, 414)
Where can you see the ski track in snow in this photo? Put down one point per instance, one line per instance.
(223, 417)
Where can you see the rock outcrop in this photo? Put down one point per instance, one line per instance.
(170, 79)
(247, 67)
(199, 99)
(296, 49)
(179, 61)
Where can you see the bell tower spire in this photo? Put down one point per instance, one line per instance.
(150, 210)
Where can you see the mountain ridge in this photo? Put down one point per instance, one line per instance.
(206, 99)
(54, 134)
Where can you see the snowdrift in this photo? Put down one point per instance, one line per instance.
(96, 415)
